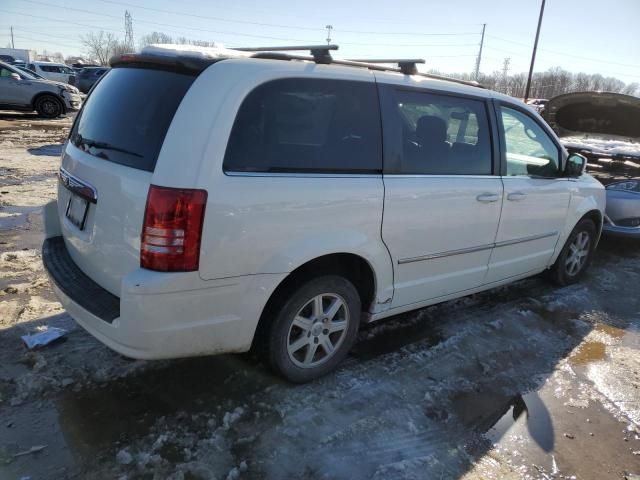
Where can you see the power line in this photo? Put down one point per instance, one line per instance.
(156, 23)
(68, 22)
(556, 53)
(22, 37)
(265, 24)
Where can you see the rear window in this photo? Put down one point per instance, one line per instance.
(127, 115)
(307, 125)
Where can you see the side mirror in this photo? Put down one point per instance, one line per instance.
(15, 76)
(576, 165)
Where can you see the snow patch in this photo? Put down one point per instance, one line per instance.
(218, 50)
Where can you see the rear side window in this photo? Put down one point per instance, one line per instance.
(127, 115)
(307, 125)
(438, 134)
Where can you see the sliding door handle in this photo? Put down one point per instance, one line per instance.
(488, 197)
(516, 196)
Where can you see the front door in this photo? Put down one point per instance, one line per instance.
(536, 196)
(12, 91)
(442, 200)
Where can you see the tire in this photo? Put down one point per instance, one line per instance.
(49, 106)
(300, 343)
(575, 257)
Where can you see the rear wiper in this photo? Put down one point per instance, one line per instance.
(102, 145)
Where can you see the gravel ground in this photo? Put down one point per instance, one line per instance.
(527, 381)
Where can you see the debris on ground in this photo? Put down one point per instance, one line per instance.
(34, 449)
(43, 338)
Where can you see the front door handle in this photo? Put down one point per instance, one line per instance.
(516, 196)
(488, 197)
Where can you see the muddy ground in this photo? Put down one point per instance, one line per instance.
(528, 381)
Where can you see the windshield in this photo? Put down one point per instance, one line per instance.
(126, 117)
(27, 74)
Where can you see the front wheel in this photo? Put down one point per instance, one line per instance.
(576, 255)
(49, 106)
(314, 329)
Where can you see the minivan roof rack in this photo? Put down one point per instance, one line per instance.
(196, 61)
(406, 65)
(320, 53)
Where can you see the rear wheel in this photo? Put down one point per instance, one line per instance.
(314, 329)
(49, 106)
(576, 255)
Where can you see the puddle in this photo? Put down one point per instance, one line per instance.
(496, 415)
(594, 350)
(94, 420)
(610, 330)
(588, 352)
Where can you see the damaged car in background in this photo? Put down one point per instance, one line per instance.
(605, 128)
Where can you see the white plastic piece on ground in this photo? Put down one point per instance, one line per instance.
(43, 338)
(195, 51)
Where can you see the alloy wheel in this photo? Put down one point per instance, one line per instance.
(578, 253)
(317, 330)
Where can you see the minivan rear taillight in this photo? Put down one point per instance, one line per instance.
(172, 229)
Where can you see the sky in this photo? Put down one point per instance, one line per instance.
(591, 36)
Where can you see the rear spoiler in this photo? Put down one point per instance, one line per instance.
(179, 63)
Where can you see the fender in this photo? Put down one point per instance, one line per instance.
(373, 251)
(587, 195)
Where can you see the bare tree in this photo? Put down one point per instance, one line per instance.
(155, 37)
(99, 46)
(160, 38)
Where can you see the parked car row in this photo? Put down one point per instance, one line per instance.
(22, 90)
(281, 204)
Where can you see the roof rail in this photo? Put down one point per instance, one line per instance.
(406, 65)
(320, 53)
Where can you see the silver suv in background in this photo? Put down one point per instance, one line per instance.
(20, 90)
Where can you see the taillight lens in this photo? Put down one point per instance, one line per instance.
(172, 229)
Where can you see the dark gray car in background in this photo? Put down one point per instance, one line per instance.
(605, 128)
(88, 76)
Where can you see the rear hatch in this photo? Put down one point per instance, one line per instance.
(108, 164)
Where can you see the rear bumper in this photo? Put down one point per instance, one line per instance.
(161, 315)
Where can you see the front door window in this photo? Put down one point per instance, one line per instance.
(530, 151)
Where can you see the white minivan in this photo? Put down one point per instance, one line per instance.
(58, 72)
(213, 202)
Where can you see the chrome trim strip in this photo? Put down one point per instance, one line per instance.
(77, 186)
(448, 253)
(425, 175)
(302, 174)
(478, 248)
(531, 238)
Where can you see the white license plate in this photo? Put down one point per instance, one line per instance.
(77, 210)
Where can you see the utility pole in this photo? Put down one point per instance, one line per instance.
(12, 44)
(505, 73)
(329, 28)
(128, 30)
(484, 25)
(533, 55)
